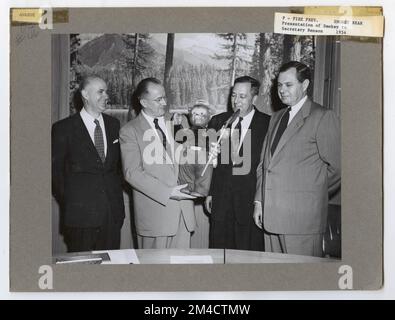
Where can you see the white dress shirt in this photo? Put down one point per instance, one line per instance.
(90, 125)
(245, 124)
(294, 109)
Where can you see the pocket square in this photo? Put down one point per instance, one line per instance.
(115, 141)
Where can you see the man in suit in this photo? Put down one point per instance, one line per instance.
(234, 179)
(164, 216)
(299, 168)
(86, 175)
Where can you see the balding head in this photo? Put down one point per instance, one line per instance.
(94, 95)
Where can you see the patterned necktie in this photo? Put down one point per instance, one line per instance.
(235, 139)
(99, 142)
(161, 133)
(281, 128)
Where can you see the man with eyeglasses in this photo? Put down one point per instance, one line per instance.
(164, 215)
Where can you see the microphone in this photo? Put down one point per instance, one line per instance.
(223, 130)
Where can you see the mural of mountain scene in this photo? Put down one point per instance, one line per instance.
(193, 67)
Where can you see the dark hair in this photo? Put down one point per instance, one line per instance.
(255, 84)
(302, 71)
(142, 89)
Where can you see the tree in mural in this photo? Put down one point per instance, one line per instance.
(186, 83)
(258, 57)
(137, 55)
(135, 59)
(270, 52)
(75, 73)
(234, 50)
(168, 61)
(189, 84)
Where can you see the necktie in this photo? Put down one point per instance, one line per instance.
(281, 128)
(161, 133)
(235, 138)
(99, 142)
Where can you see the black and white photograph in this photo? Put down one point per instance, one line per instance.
(195, 148)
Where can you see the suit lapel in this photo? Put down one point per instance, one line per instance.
(169, 123)
(83, 134)
(170, 127)
(254, 129)
(108, 130)
(296, 123)
(274, 123)
(170, 130)
(251, 129)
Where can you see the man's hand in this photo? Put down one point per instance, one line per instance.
(215, 150)
(177, 194)
(258, 214)
(208, 203)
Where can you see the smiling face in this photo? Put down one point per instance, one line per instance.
(95, 96)
(242, 98)
(154, 100)
(290, 89)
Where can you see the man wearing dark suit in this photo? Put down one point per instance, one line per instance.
(234, 179)
(299, 168)
(86, 176)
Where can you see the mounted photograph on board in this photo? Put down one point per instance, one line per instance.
(202, 77)
(230, 150)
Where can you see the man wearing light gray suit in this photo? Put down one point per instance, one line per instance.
(299, 169)
(164, 216)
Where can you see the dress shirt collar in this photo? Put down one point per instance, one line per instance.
(88, 118)
(246, 119)
(162, 125)
(294, 109)
(150, 119)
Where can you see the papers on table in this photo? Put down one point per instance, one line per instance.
(126, 256)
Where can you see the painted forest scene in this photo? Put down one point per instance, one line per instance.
(193, 67)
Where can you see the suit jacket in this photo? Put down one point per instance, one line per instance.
(86, 188)
(153, 181)
(224, 183)
(295, 182)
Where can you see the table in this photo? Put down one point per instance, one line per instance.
(245, 256)
(200, 256)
